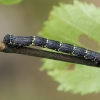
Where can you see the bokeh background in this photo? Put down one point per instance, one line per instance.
(20, 77)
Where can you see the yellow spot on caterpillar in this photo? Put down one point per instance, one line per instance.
(60, 46)
(73, 50)
(32, 44)
(46, 43)
(86, 54)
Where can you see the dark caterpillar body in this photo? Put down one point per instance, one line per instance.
(18, 41)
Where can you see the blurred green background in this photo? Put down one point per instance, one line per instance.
(20, 77)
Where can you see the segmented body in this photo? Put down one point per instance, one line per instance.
(18, 41)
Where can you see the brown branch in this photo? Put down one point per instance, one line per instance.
(47, 54)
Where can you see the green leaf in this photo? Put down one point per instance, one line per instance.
(66, 24)
(9, 1)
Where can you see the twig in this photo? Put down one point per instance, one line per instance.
(47, 54)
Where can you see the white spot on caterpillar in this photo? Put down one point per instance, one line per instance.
(10, 39)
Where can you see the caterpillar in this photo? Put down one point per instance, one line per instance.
(20, 41)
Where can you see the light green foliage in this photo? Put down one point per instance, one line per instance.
(9, 1)
(66, 23)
